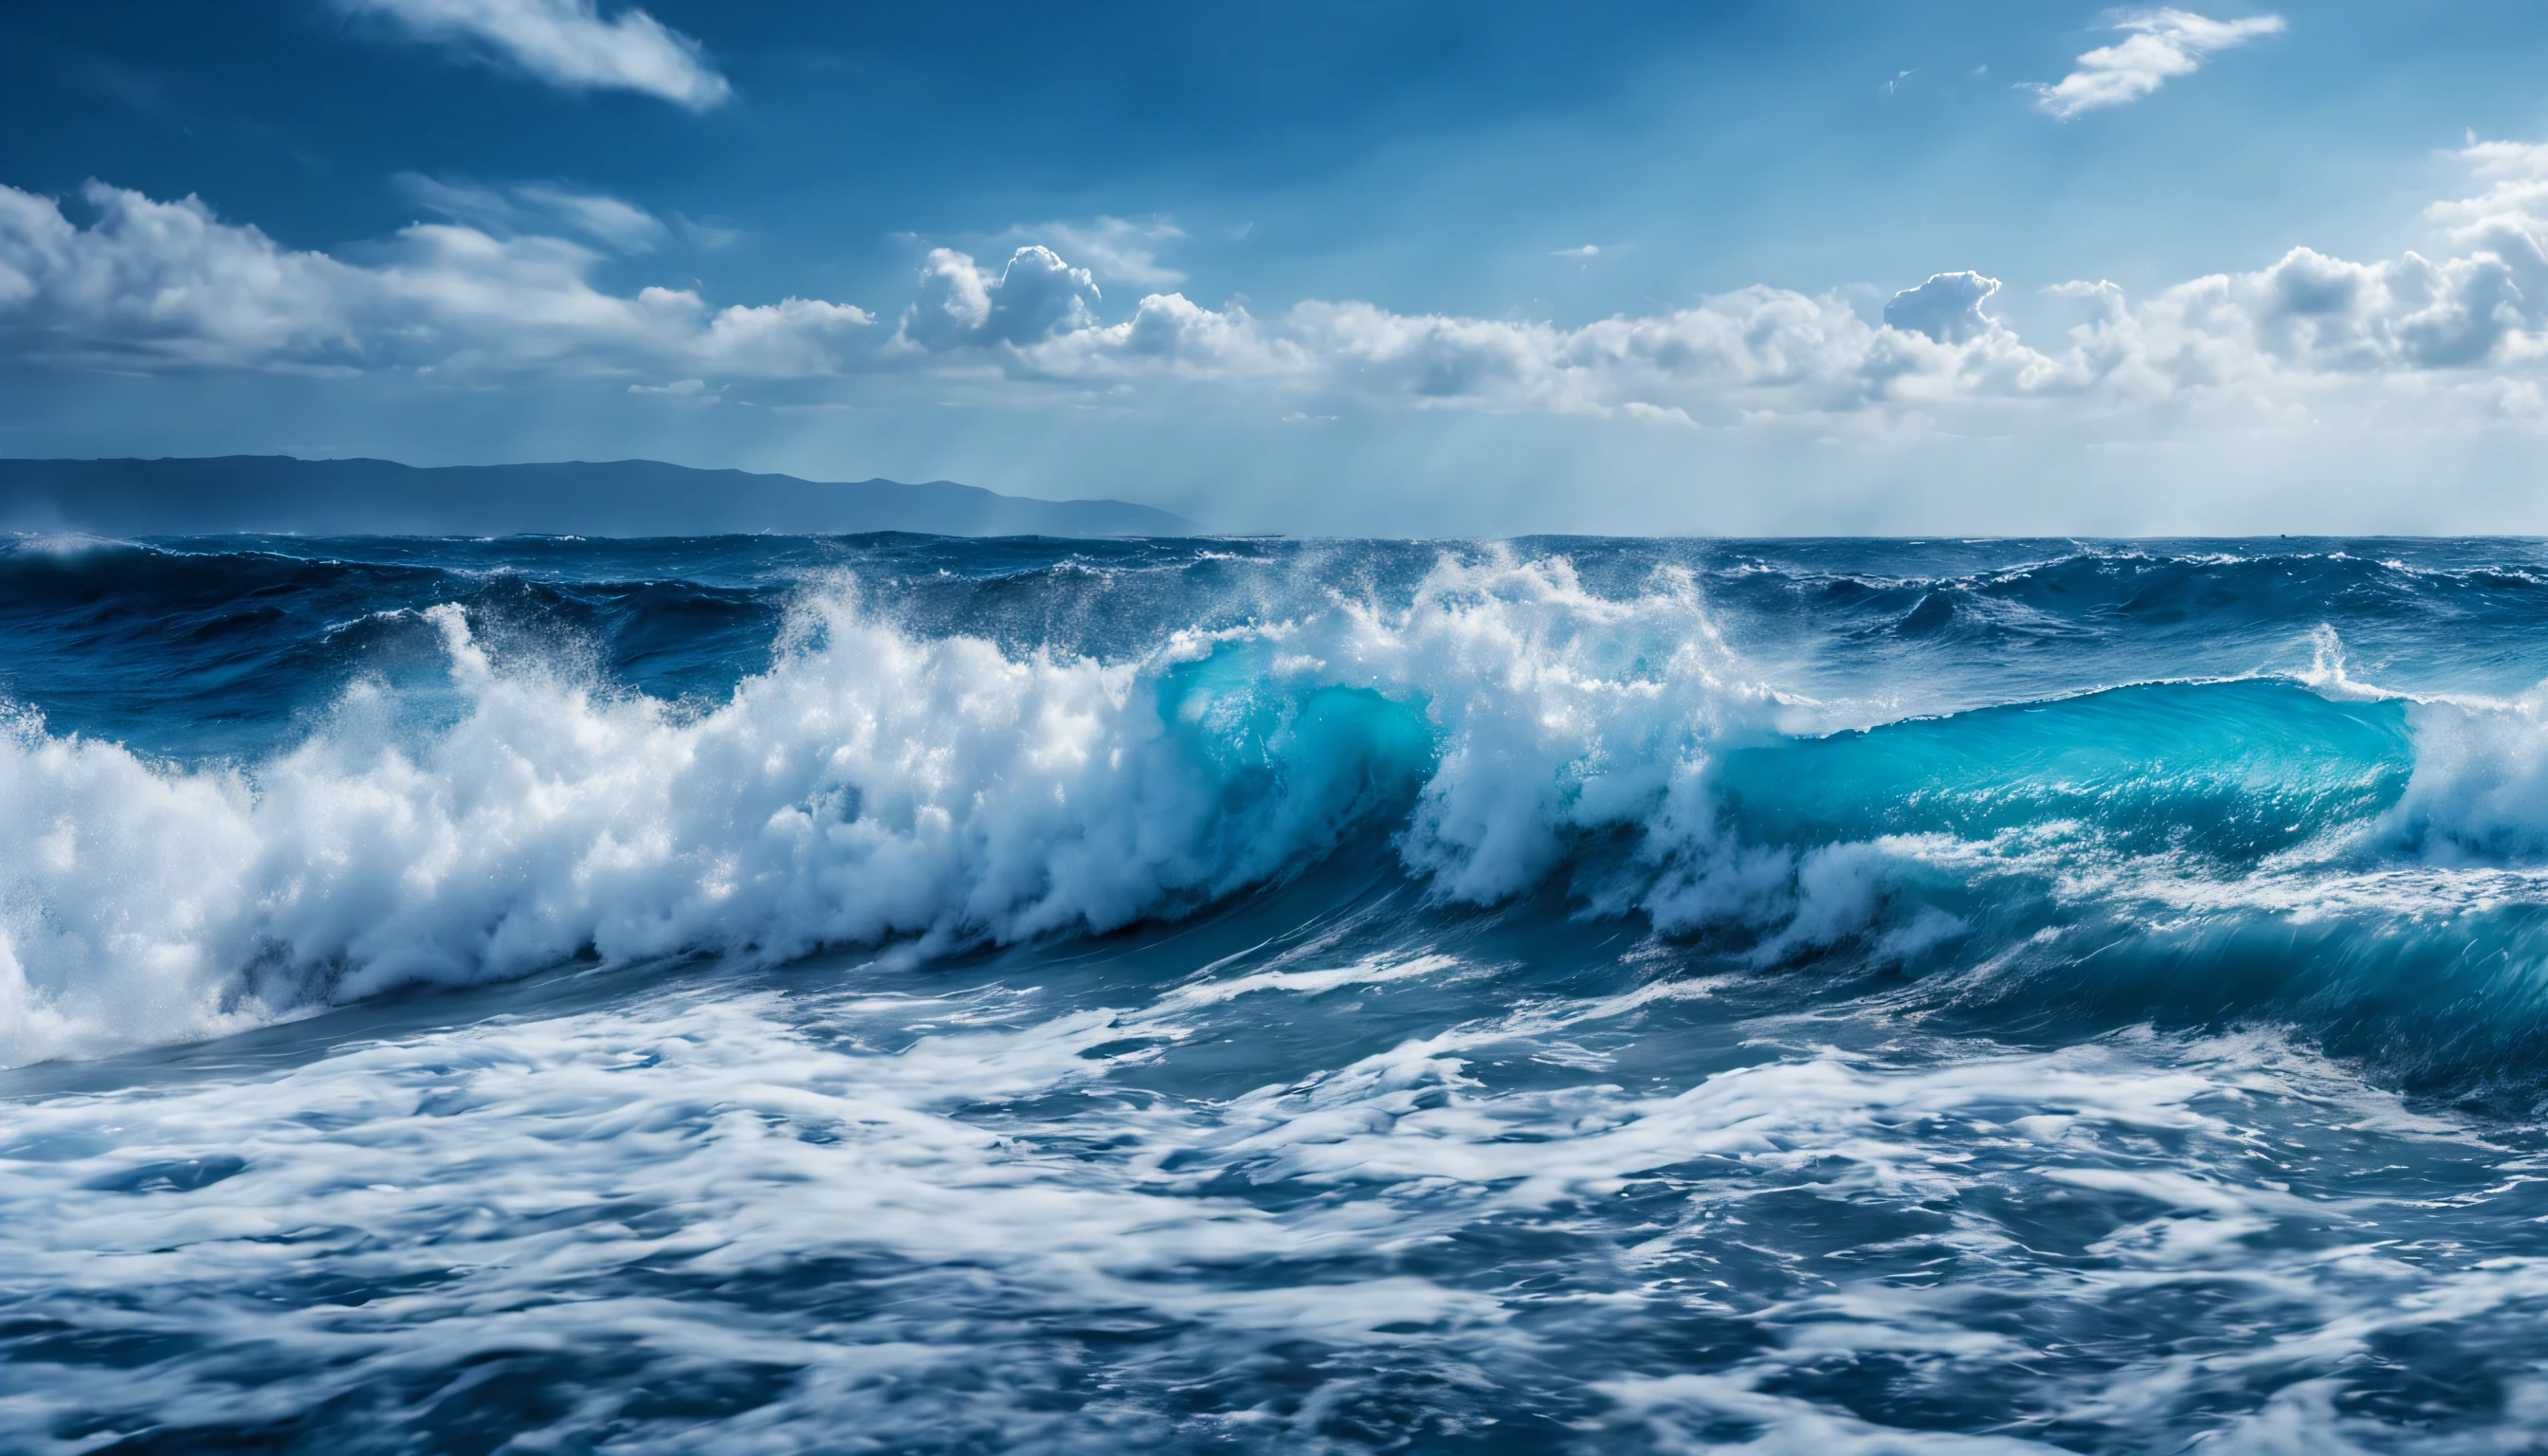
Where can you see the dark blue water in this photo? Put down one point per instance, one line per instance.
(906, 994)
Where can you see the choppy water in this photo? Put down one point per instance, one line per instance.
(917, 995)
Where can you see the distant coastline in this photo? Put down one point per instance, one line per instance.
(282, 495)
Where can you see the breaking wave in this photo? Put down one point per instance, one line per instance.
(1506, 730)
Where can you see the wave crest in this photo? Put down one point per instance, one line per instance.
(870, 786)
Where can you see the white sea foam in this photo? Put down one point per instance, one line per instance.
(871, 784)
(692, 1164)
(2480, 788)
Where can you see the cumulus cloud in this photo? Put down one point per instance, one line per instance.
(2158, 45)
(1733, 354)
(566, 42)
(1173, 333)
(1947, 307)
(153, 284)
(1757, 348)
(1036, 296)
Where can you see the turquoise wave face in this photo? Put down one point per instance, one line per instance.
(2196, 856)
(1288, 772)
(2230, 770)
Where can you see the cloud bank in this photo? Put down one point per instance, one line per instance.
(566, 42)
(2159, 46)
(150, 285)
(160, 285)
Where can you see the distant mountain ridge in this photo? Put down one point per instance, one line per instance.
(280, 494)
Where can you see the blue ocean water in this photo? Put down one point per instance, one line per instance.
(920, 995)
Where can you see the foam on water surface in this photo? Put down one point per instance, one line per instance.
(913, 996)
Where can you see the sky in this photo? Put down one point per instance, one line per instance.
(1878, 267)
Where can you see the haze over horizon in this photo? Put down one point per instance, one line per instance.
(1405, 269)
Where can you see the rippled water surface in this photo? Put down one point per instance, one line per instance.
(919, 995)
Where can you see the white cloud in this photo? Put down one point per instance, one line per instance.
(1036, 296)
(155, 285)
(2471, 325)
(1753, 349)
(566, 42)
(160, 284)
(534, 207)
(1170, 331)
(629, 229)
(1758, 348)
(2159, 45)
(1947, 307)
(153, 282)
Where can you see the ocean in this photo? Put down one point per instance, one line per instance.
(913, 994)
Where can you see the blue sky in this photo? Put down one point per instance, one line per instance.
(1323, 269)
